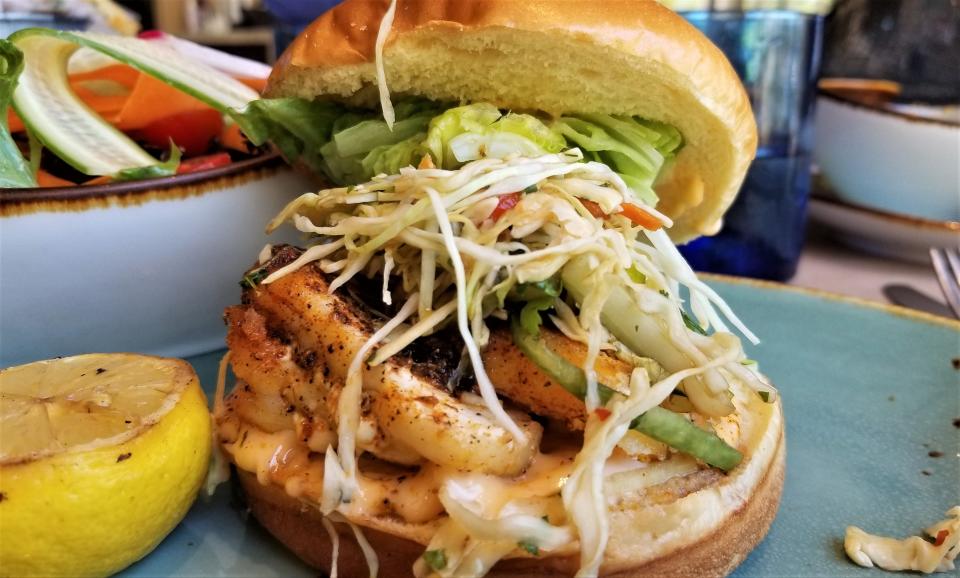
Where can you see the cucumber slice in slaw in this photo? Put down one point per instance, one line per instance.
(58, 118)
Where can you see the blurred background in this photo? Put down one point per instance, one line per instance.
(856, 103)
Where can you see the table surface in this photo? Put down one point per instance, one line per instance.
(829, 266)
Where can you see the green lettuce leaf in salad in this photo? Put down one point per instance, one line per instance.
(15, 171)
(166, 168)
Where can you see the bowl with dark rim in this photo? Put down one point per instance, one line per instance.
(876, 152)
(144, 266)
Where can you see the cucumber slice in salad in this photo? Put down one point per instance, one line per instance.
(15, 171)
(55, 115)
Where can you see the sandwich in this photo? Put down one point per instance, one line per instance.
(488, 356)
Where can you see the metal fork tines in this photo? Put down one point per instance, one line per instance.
(946, 263)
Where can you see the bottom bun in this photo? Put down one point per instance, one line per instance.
(300, 527)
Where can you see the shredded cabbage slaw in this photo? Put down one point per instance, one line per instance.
(430, 231)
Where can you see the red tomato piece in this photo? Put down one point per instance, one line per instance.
(208, 162)
(506, 203)
(193, 131)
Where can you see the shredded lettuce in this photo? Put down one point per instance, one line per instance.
(349, 147)
(637, 149)
(352, 147)
(14, 169)
(369, 134)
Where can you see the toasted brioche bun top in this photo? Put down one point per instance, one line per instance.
(631, 57)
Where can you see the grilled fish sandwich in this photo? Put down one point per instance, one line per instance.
(489, 356)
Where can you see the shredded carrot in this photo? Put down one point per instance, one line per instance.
(640, 217)
(593, 208)
(426, 163)
(602, 412)
(941, 537)
(637, 215)
(45, 179)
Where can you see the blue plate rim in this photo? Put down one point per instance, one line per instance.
(896, 310)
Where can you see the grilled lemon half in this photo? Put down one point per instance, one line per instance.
(101, 456)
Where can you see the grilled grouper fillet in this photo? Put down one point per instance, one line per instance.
(290, 344)
(407, 405)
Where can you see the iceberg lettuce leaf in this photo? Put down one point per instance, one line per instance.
(635, 148)
(470, 118)
(389, 159)
(297, 127)
(474, 131)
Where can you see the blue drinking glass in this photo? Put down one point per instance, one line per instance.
(777, 55)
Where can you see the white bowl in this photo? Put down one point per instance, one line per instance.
(144, 267)
(882, 158)
(893, 235)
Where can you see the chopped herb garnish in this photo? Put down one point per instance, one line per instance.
(687, 320)
(253, 278)
(691, 324)
(530, 547)
(530, 189)
(636, 275)
(529, 291)
(435, 559)
(764, 395)
(748, 362)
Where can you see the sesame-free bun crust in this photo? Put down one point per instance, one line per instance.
(631, 57)
(707, 533)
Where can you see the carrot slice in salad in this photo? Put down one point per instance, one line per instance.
(152, 100)
(231, 137)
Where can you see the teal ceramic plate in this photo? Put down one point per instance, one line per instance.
(868, 393)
